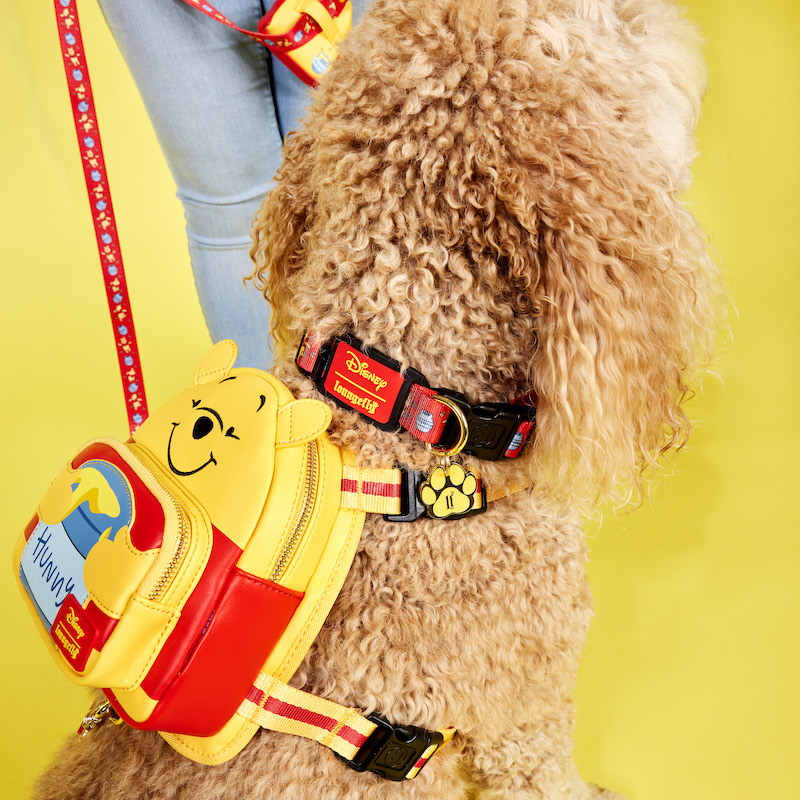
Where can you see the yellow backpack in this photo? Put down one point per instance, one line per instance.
(187, 571)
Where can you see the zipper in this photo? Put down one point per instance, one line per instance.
(303, 515)
(158, 591)
(147, 468)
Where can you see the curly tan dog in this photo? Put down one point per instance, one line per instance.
(488, 191)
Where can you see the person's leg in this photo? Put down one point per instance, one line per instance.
(207, 90)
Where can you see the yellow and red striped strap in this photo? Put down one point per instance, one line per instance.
(276, 706)
(376, 491)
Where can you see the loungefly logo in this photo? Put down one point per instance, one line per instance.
(67, 645)
(75, 623)
(367, 405)
(73, 633)
(363, 383)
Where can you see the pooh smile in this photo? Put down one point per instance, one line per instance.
(209, 423)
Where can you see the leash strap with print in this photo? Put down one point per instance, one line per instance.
(321, 16)
(105, 226)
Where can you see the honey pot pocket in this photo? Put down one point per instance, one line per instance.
(168, 570)
(106, 546)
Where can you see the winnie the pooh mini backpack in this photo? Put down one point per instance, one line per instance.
(187, 571)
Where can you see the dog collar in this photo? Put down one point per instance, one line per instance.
(365, 380)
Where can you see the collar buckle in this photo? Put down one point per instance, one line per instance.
(361, 379)
(495, 429)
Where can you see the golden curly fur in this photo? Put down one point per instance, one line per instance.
(487, 190)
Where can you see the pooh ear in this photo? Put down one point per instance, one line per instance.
(301, 421)
(217, 362)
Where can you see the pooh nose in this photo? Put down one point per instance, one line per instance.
(202, 427)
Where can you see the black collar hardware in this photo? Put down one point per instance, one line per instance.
(392, 751)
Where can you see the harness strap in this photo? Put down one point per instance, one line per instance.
(381, 491)
(395, 493)
(376, 491)
(364, 743)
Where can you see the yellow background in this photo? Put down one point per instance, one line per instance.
(688, 688)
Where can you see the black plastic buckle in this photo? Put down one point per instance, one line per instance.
(411, 507)
(390, 751)
(321, 362)
(492, 426)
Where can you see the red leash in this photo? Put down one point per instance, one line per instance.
(105, 227)
(94, 169)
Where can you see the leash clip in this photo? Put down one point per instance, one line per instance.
(448, 491)
(97, 717)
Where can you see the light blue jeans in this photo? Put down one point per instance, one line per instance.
(220, 106)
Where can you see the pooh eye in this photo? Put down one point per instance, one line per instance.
(202, 427)
(230, 433)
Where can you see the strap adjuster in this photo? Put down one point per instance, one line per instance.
(393, 751)
(411, 507)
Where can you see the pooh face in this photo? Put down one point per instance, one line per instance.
(200, 431)
(219, 438)
(203, 428)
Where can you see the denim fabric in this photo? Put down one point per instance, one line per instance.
(220, 106)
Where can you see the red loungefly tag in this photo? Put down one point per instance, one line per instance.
(363, 383)
(72, 633)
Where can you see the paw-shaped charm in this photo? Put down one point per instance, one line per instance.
(449, 492)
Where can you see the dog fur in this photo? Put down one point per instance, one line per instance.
(488, 191)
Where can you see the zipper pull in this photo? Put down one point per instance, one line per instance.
(96, 717)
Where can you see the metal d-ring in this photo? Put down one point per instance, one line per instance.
(463, 424)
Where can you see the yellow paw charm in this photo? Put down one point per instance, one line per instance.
(449, 493)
